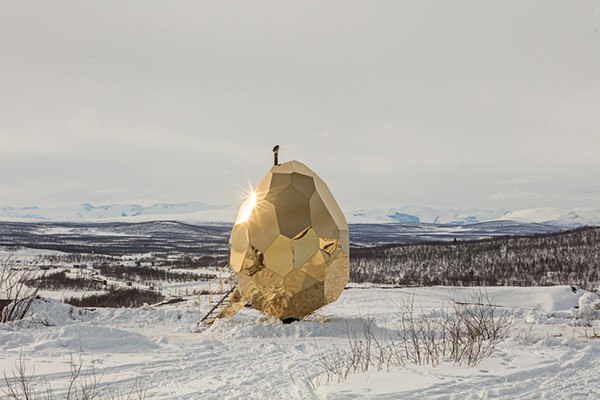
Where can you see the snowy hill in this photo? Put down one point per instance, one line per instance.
(549, 352)
(538, 215)
(557, 217)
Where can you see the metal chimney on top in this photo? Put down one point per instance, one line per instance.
(276, 155)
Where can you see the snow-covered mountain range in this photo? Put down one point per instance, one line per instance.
(191, 211)
(557, 217)
(201, 212)
(410, 214)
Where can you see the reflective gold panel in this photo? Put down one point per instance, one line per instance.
(345, 240)
(321, 218)
(262, 226)
(279, 257)
(293, 213)
(301, 168)
(278, 183)
(304, 184)
(290, 244)
(311, 267)
(238, 246)
(330, 203)
(304, 246)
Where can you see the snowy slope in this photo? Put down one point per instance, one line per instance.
(538, 215)
(578, 217)
(557, 217)
(547, 354)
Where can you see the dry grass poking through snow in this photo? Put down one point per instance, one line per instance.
(81, 384)
(466, 334)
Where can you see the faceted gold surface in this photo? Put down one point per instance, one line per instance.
(290, 244)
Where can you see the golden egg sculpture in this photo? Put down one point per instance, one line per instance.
(290, 244)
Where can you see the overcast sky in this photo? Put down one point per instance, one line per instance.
(432, 103)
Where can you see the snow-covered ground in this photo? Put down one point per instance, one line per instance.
(550, 353)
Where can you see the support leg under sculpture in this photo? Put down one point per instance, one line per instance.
(236, 303)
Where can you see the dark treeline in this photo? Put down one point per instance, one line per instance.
(118, 238)
(128, 297)
(201, 261)
(145, 274)
(571, 257)
(61, 281)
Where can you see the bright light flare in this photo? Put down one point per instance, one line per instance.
(246, 208)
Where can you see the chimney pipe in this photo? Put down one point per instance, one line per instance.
(276, 155)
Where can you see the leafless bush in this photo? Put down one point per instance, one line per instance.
(467, 333)
(19, 385)
(365, 349)
(85, 387)
(475, 329)
(420, 339)
(528, 335)
(137, 392)
(82, 385)
(16, 296)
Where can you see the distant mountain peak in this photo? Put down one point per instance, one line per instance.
(415, 214)
(403, 217)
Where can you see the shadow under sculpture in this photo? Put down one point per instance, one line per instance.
(289, 246)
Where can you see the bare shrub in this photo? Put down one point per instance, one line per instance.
(82, 385)
(85, 386)
(16, 296)
(365, 349)
(137, 392)
(342, 361)
(467, 333)
(420, 339)
(476, 328)
(19, 386)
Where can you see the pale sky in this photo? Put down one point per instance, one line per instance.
(432, 103)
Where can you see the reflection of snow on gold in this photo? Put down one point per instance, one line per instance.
(290, 244)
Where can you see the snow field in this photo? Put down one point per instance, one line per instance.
(550, 354)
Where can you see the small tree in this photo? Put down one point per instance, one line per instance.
(16, 296)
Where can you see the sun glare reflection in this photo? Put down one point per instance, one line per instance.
(246, 208)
